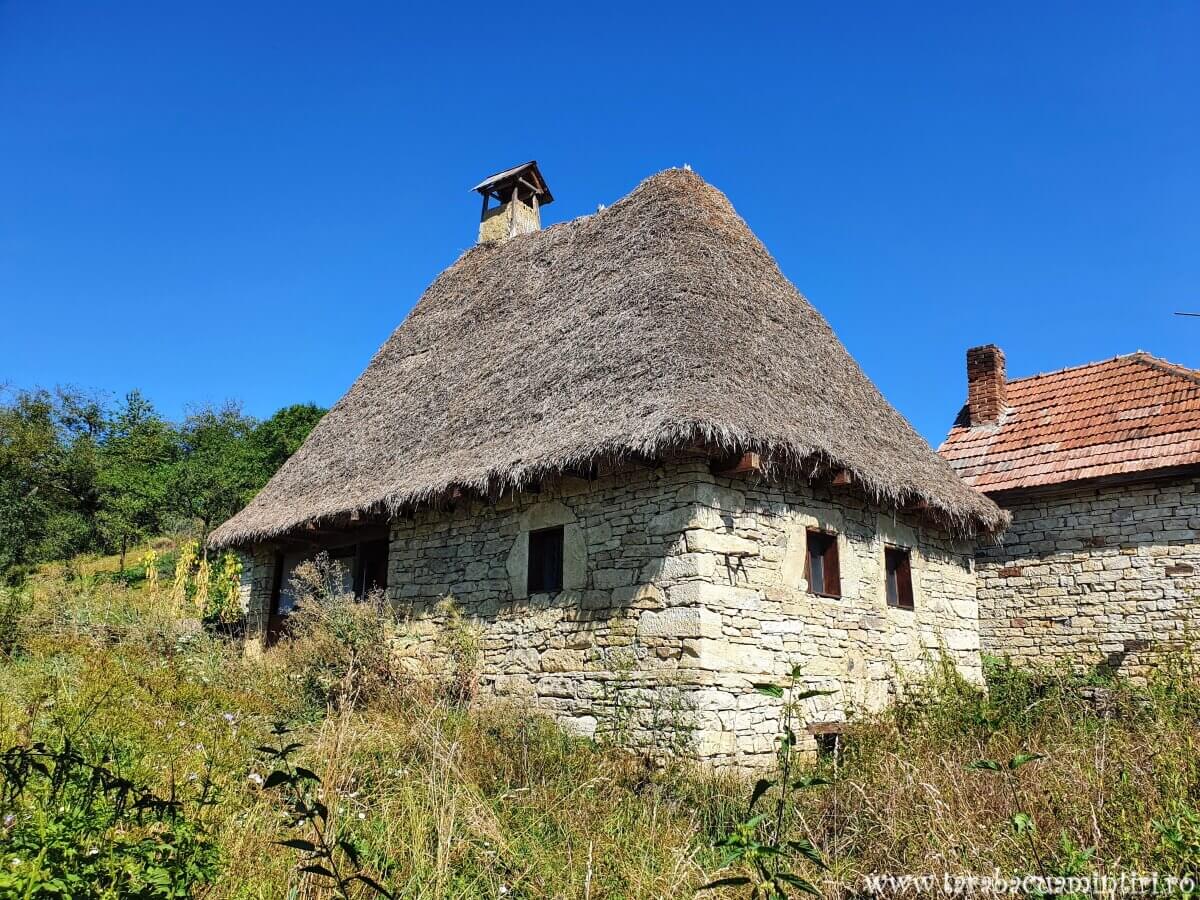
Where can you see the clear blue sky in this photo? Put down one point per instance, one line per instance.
(242, 199)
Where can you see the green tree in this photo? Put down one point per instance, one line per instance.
(215, 470)
(134, 460)
(277, 438)
(49, 496)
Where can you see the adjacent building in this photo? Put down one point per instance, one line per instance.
(635, 455)
(1099, 466)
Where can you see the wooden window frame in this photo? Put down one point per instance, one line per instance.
(897, 569)
(544, 562)
(828, 555)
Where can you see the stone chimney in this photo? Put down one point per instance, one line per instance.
(521, 193)
(987, 388)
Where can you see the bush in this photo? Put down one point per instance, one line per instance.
(76, 829)
(340, 647)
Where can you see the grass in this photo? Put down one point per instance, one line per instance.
(443, 800)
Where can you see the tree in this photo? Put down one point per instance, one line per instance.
(215, 470)
(273, 441)
(133, 473)
(49, 498)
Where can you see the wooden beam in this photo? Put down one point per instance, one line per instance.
(746, 464)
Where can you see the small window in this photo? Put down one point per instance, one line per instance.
(824, 573)
(546, 561)
(898, 571)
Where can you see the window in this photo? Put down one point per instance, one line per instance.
(546, 561)
(371, 574)
(824, 573)
(898, 571)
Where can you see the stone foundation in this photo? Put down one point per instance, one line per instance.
(1102, 575)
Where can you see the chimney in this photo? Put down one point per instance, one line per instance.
(521, 193)
(987, 389)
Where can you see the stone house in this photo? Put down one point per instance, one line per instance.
(1099, 466)
(644, 464)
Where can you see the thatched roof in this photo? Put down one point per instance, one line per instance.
(658, 322)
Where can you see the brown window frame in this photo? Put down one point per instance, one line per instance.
(831, 567)
(544, 562)
(897, 577)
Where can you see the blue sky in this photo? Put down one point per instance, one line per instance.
(242, 199)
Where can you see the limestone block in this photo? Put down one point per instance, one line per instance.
(581, 726)
(564, 661)
(639, 596)
(716, 542)
(714, 596)
(679, 622)
(715, 655)
(676, 520)
(674, 568)
(712, 495)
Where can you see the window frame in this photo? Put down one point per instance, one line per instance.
(831, 552)
(538, 566)
(901, 575)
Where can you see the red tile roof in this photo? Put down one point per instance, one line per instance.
(1131, 414)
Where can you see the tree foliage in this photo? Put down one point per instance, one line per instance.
(79, 474)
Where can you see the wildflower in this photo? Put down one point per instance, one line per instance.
(8, 820)
(362, 815)
(255, 779)
(15, 861)
(503, 889)
(228, 717)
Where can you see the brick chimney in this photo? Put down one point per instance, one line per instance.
(521, 192)
(987, 388)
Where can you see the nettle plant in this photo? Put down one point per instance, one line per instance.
(334, 860)
(74, 828)
(761, 846)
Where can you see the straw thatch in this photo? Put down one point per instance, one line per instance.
(658, 322)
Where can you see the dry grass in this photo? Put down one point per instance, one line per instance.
(490, 801)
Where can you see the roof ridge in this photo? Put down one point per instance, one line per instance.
(1164, 365)
(1075, 368)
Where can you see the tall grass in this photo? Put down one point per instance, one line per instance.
(450, 797)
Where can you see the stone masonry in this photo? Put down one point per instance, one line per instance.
(681, 590)
(1099, 575)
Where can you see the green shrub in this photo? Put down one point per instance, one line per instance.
(340, 647)
(76, 829)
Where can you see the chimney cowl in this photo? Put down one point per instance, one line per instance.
(987, 385)
(521, 192)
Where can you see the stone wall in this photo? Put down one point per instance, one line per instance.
(1104, 575)
(680, 591)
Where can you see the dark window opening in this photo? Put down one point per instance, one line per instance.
(545, 561)
(898, 571)
(824, 572)
(371, 574)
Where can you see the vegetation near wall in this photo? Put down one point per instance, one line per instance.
(81, 474)
(145, 755)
